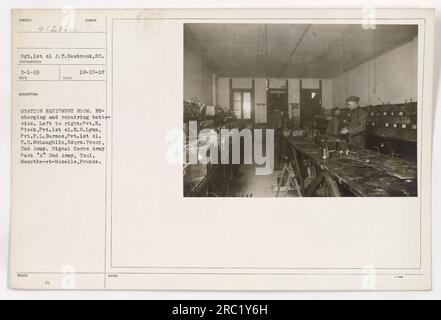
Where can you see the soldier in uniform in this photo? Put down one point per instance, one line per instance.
(357, 128)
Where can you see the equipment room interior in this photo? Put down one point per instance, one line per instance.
(332, 106)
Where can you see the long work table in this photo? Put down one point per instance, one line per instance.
(363, 172)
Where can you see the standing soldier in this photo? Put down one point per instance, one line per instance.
(357, 128)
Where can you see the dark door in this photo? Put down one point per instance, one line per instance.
(310, 105)
(277, 99)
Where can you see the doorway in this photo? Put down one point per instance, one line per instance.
(310, 105)
(277, 98)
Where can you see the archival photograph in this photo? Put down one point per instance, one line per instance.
(300, 110)
(126, 124)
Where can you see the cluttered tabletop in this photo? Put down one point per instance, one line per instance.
(364, 172)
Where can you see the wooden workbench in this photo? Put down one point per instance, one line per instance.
(364, 173)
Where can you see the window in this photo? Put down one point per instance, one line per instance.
(242, 104)
(238, 104)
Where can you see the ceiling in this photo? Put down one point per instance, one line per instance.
(293, 50)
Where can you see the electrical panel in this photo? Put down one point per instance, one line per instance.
(394, 121)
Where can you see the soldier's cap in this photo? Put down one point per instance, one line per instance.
(353, 98)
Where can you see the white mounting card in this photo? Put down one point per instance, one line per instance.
(98, 199)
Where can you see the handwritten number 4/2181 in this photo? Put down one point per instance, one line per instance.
(52, 28)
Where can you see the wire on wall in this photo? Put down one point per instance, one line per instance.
(375, 87)
(257, 49)
(340, 72)
(266, 50)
